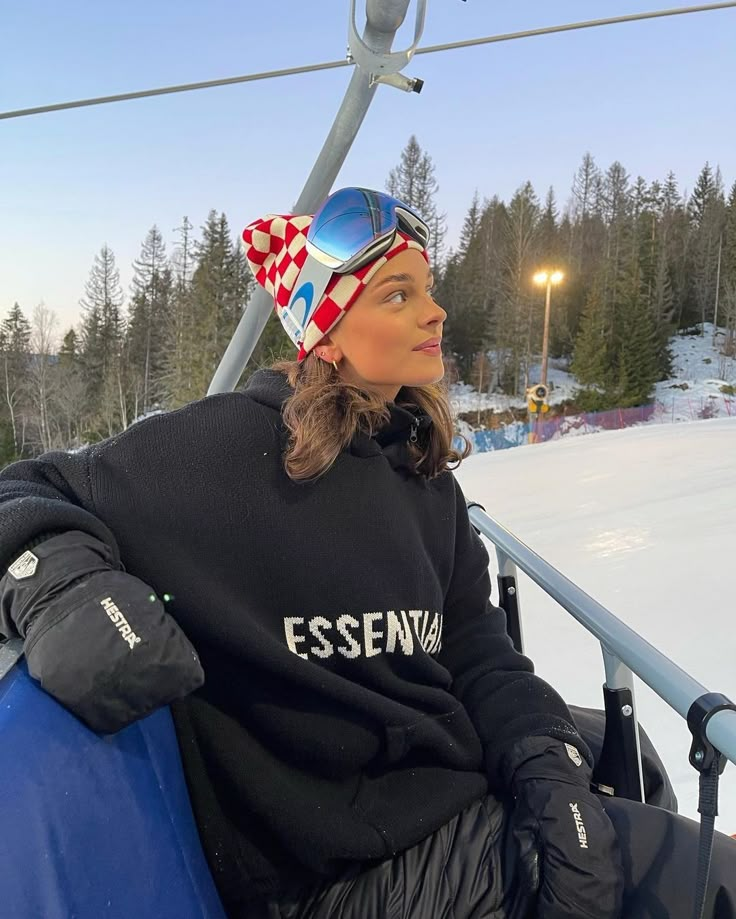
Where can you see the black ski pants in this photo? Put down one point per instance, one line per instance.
(466, 869)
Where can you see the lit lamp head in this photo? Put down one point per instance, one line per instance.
(551, 277)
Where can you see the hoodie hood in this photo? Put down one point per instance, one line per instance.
(271, 388)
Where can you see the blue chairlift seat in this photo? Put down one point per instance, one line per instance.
(94, 827)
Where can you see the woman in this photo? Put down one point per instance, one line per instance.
(366, 741)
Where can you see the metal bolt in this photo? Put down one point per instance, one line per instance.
(511, 591)
(627, 711)
(698, 756)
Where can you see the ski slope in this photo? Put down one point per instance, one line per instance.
(644, 520)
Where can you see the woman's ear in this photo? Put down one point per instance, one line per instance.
(328, 351)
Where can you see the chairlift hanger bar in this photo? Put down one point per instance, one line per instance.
(332, 65)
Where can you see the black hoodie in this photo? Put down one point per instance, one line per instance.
(360, 689)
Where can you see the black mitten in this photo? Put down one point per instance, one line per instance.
(567, 846)
(97, 639)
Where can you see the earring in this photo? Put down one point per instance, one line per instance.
(334, 364)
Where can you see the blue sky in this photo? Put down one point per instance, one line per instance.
(657, 95)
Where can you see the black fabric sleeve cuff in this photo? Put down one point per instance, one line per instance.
(547, 758)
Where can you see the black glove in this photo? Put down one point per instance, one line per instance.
(97, 639)
(567, 846)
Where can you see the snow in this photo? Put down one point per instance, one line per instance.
(643, 520)
(464, 398)
(699, 372)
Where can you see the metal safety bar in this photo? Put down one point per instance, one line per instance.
(624, 650)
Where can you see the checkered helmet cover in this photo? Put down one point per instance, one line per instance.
(276, 250)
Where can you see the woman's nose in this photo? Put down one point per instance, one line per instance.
(437, 313)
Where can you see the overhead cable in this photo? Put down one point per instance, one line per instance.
(332, 65)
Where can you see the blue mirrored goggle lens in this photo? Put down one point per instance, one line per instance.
(351, 221)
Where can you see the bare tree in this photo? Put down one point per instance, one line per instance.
(40, 377)
(70, 401)
(15, 333)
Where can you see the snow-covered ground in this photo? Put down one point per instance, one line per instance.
(699, 373)
(465, 398)
(644, 520)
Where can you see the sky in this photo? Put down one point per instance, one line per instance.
(655, 95)
(642, 520)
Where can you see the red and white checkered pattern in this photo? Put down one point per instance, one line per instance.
(276, 249)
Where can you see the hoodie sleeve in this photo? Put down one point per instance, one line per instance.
(44, 496)
(504, 698)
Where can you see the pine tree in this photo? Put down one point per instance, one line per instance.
(548, 238)
(661, 304)
(69, 350)
(638, 348)
(706, 209)
(647, 242)
(617, 213)
(16, 331)
(586, 241)
(640, 197)
(466, 330)
(518, 322)
(219, 291)
(102, 337)
(728, 255)
(728, 274)
(70, 395)
(591, 361)
(583, 188)
(148, 330)
(413, 181)
(702, 196)
(674, 232)
(670, 193)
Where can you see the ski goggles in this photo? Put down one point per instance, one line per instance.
(354, 227)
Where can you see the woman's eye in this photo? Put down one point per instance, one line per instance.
(432, 291)
(400, 294)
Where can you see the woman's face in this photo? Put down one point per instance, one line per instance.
(377, 342)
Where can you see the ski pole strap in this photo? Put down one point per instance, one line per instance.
(710, 763)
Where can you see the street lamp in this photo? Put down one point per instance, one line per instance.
(549, 278)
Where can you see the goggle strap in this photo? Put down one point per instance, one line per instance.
(370, 253)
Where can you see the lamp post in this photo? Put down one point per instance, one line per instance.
(549, 278)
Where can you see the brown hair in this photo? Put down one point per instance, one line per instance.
(325, 413)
